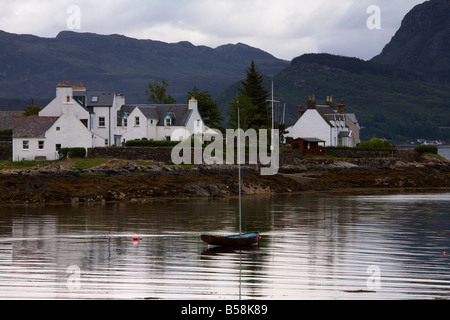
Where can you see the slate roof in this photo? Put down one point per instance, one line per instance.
(179, 113)
(105, 99)
(7, 118)
(310, 139)
(32, 127)
(353, 119)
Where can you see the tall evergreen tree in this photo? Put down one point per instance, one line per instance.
(247, 112)
(254, 89)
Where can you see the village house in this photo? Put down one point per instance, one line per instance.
(96, 110)
(335, 127)
(40, 137)
(175, 122)
(79, 118)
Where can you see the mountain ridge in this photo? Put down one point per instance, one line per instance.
(422, 43)
(122, 64)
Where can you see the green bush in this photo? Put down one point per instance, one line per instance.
(72, 153)
(426, 149)
(151, 143)
(375, 144)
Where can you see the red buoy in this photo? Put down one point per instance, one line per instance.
(135, 237)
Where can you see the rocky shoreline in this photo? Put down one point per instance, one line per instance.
(133, 181)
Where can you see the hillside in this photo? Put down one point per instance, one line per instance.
(422, 44)
(389, 102)
(31, 66)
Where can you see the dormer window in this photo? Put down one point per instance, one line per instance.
(94, 99)
(167, 122)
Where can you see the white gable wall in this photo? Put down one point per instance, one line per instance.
(55, 109)
(68, 132)
(312, 125)
(136, 130)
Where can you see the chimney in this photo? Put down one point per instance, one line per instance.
(120, 100)
(301, 111)
(193, 104)
(63, 91)
(341, 107)
(329, 101)
(67, 107)
(312, 102)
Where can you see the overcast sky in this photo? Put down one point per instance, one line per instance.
(284, 28)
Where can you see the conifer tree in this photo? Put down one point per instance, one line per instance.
(254, 89)
(207, 106)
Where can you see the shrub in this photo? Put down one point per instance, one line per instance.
(72, 153)
(375, 144)
(426, 149)
(151, 143)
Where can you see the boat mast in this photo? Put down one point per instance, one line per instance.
(239, 166)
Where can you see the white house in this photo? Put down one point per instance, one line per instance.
(174, 122)
(67, 93)
(334, 126)
(78, 118)
(97, 110)
(40, 137)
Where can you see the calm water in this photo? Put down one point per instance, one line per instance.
(444, 152)
(314, 246)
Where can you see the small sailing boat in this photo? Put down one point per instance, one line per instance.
(244, 239)
(240, 239)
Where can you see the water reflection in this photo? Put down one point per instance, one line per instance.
(313, 246)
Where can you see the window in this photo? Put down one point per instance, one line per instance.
(94, 99)
(101, 121)
(198, 123)
(25, 144)
(151, 121)
(125, 122)
(167, 122)
(58, 146)
(137, 121)
(41, 144)
(58, 128)
(106, 142)
(167, 138)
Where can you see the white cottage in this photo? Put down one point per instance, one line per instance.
(334, 126)
(174, 122)
(40, 137)
(96, 110)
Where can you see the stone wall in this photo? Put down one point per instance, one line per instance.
(162, 154)
(287, 156)
(407, 155)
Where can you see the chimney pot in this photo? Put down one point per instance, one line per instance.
(68, 98)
